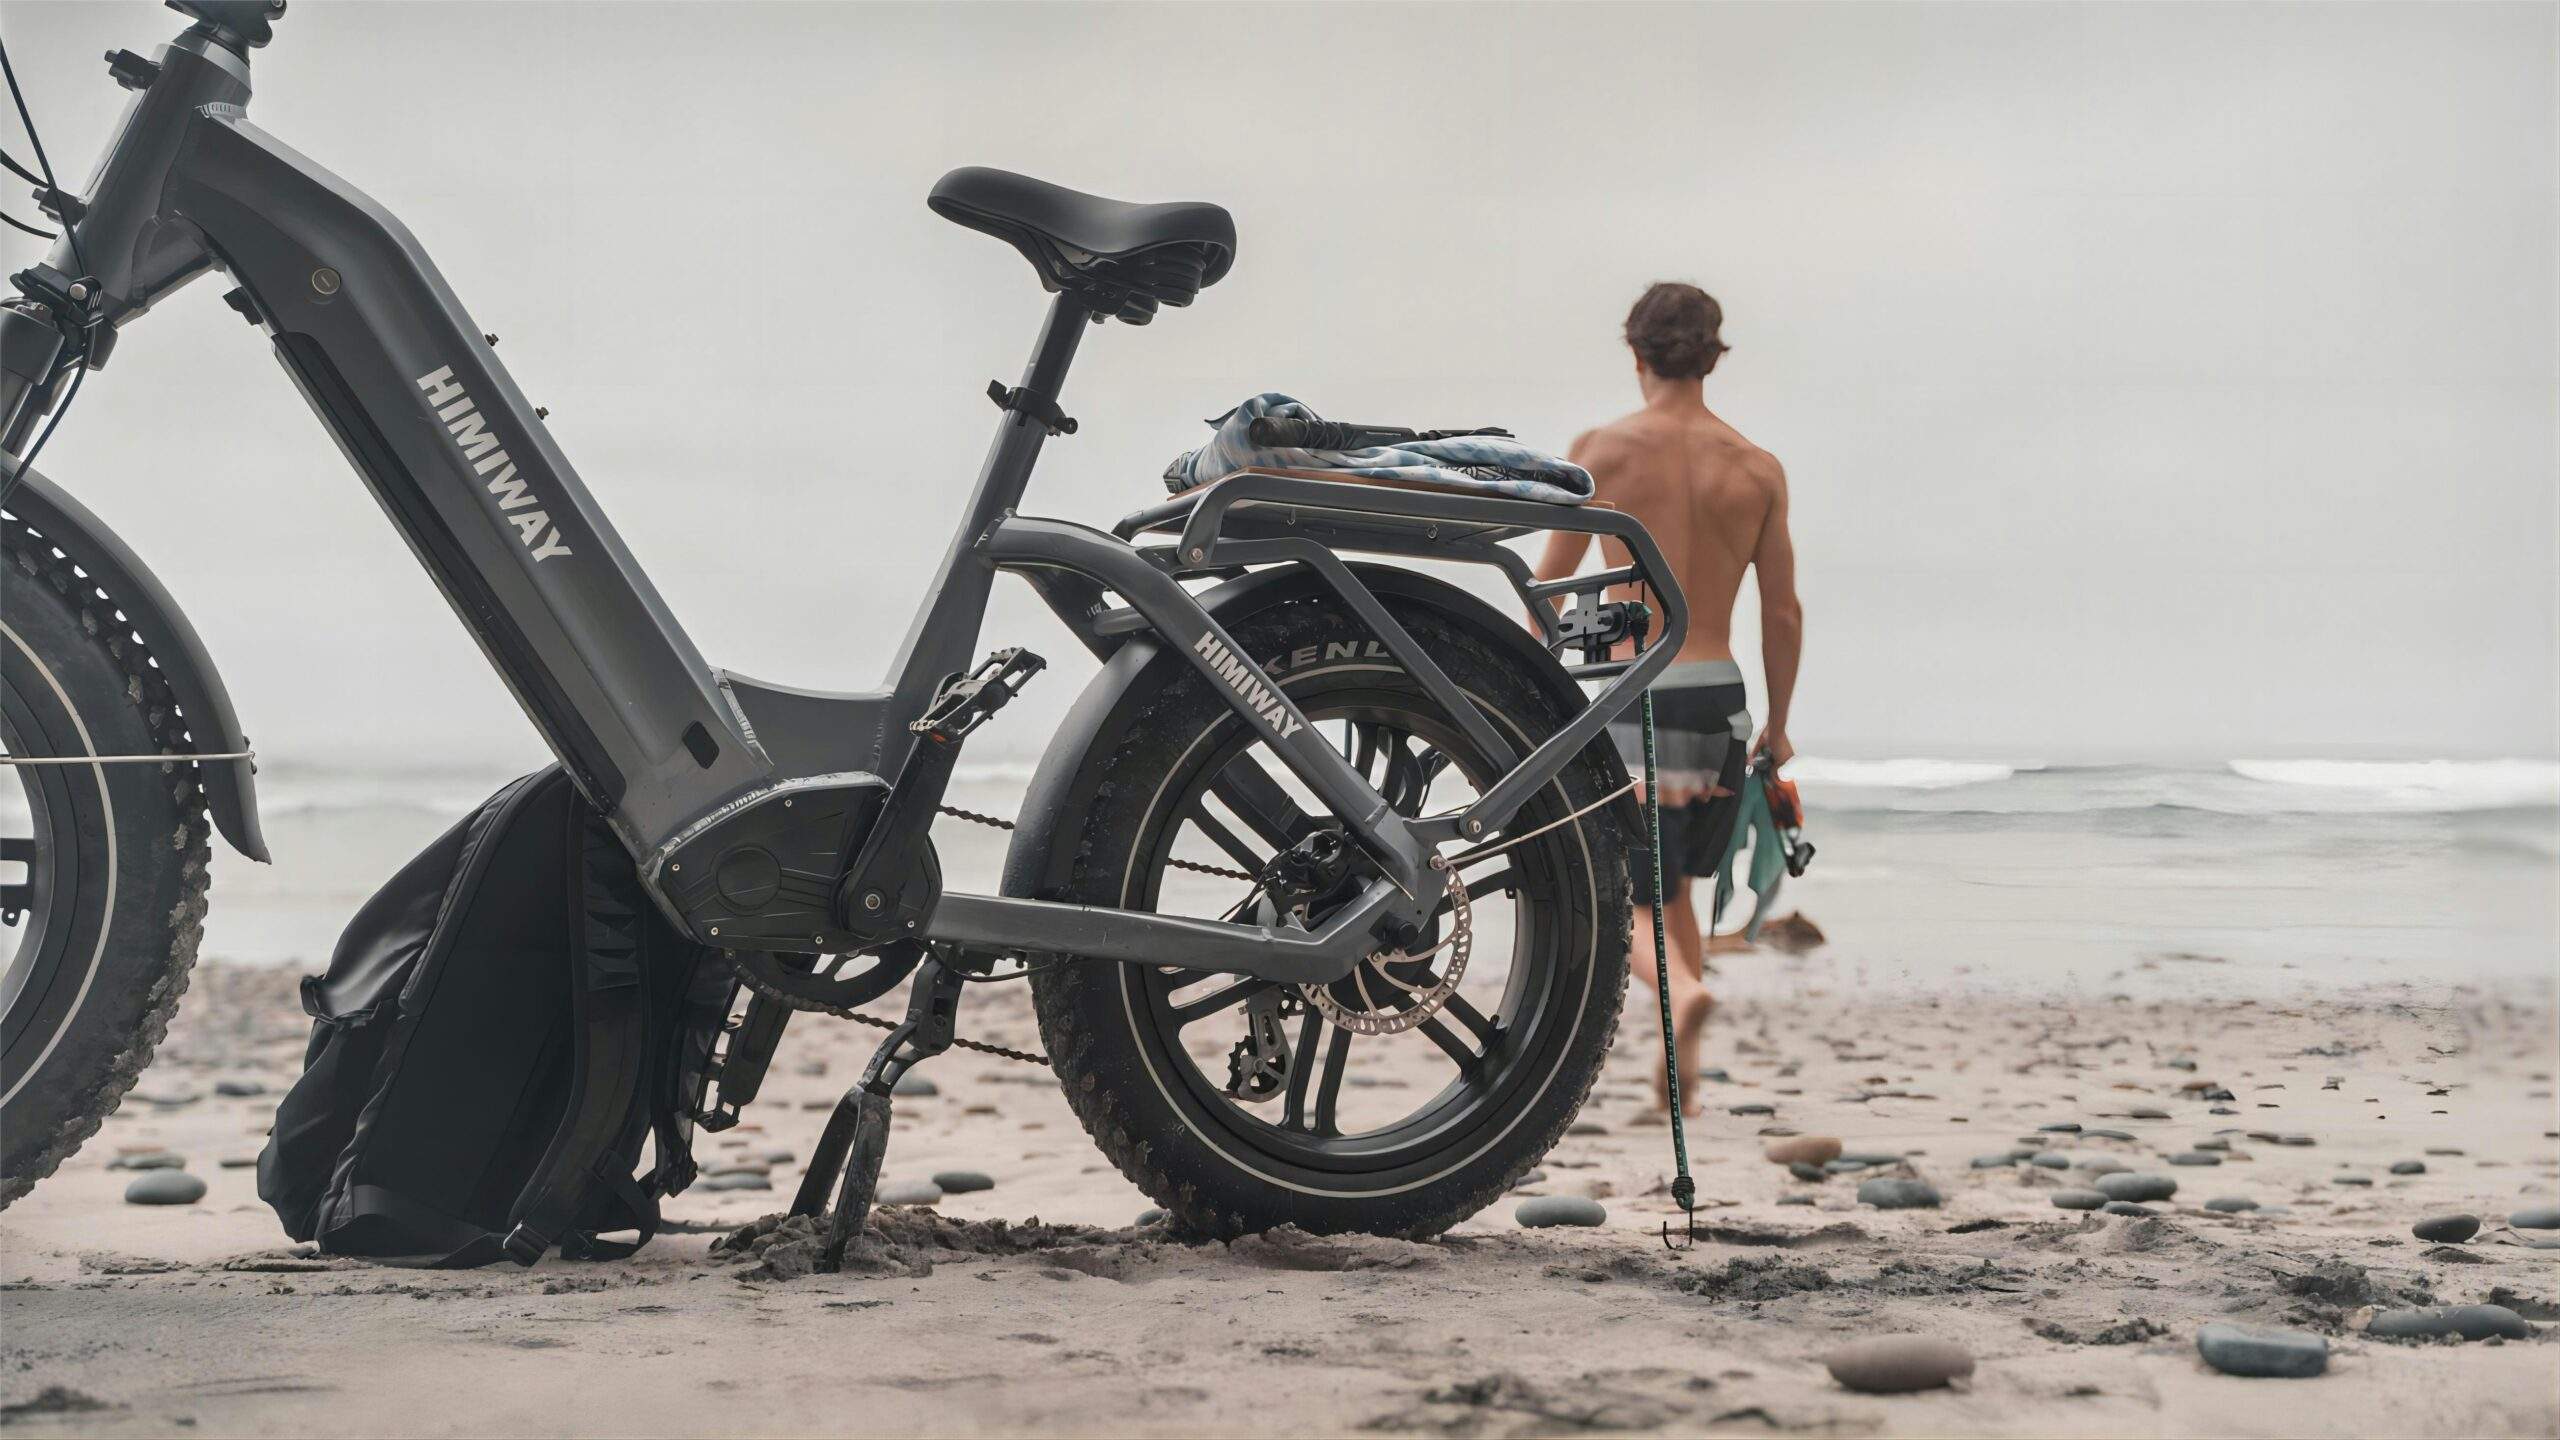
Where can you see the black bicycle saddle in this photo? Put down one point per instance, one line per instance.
(1126, 259)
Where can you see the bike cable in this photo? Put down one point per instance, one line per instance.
(70, 233)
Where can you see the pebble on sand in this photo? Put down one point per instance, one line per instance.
(1994, 1162)
(2196, 1157)
(1754, 1108)
(2471, 1322)
(915, 1086)
(1898, 1364)
(1889, 1192)
(2536, 1217)
(2127, 1207)
(1804, 1149)
(2103, 1165)
(925, 1192)
(2259, 1353)
(1150, 1216)
(2061, 1127)
(164, 1187)
(2231, 1204)
(2408, 1167)
(2146, 1112)
(1814, 1173)
(2078, 1199)
(2351, 1180)
(2447, 1229)
(2137, 1188)
(239, 1088)
(1548, 1210)
(149, 1160)
(963, 1182)
(737, 1180)
(2050, 1160)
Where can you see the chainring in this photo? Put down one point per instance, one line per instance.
(830, 984)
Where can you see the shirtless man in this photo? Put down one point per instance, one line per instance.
(1717, 505)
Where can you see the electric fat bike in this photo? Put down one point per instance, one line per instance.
(1309, 810)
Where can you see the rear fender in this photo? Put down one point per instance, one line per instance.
(1042, 857)
(230, 786)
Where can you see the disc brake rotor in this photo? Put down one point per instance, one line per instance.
(1389, 1004)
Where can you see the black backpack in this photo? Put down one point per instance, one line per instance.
(500, 1029)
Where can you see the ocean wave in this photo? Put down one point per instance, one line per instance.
(1911, 774)
(2418, 784)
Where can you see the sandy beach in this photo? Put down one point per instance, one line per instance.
(1985, 982)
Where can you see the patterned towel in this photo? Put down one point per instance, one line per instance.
(1487, 463)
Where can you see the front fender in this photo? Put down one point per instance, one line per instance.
(1040, 860)
(230, 786)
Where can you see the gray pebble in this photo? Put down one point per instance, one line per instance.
(2536, 1217)
(1993, 1162)
(238, 1162)
(1896, 1193)
(2147, 1112)
(2196, 1157)
(925, 1192)
(2231, 1204)
(739, 1167)
(2137, 1187)
(779, 1157)
(237, 1088)
(2103, 1165)
(915, 1086)
(2471, 1322)
(1898, 1364)
(164, 1187)
(2060, 1127)
(1713, 1073)
(2351, 1180)
(2216, 1143)
(1548, 1210)
(2263, 1354)
(2078, 1199)
(963, 1182)
(2295, 1140)
(1751, 1109)
(2050, 1160)
(2127, 1207)
(2105, 1135)
(1151, 1216)
(1803, 1171)
(149, 1160)
(1843, 1166)
(2447, 1229)
(1534, 1177)
(1795, 1199)
(1872, 1157)
(737, 1180)
(2408, 1167)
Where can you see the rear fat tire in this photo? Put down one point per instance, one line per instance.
(116, 950)
(1207, 1180)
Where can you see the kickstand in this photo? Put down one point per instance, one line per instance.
(857, 1135)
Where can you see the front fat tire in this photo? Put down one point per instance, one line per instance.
(115, 956)
(1085, 1010)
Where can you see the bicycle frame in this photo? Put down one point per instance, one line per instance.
(671, 749)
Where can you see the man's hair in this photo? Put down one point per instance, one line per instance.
(1673, 329)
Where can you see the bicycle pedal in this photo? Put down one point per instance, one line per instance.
(964, 703)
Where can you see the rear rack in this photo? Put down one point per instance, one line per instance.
(1256, 517)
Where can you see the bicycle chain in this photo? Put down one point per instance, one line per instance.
(846, 1012)
(974, 818)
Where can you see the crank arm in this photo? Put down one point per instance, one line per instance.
(1287, 956)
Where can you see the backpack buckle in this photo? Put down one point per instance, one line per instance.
(525, 1245)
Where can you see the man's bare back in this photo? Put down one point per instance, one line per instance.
(1706, 494)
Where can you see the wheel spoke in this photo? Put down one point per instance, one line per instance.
(1293, 1112)
(1329, 1083)
(1224, 998)
(1245, 856)
(17, 897)
(1257, 800)
(1502, 879)
(1483, 1031)
(1447, 1039)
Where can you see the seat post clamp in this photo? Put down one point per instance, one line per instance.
(1039, 407)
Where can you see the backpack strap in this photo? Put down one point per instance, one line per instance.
(608, 1066)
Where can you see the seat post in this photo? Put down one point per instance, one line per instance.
(943, 638)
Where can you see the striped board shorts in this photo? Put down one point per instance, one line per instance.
(1701, 735)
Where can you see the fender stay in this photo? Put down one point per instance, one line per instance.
(230, 786)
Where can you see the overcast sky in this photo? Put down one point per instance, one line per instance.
(2155, 382)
